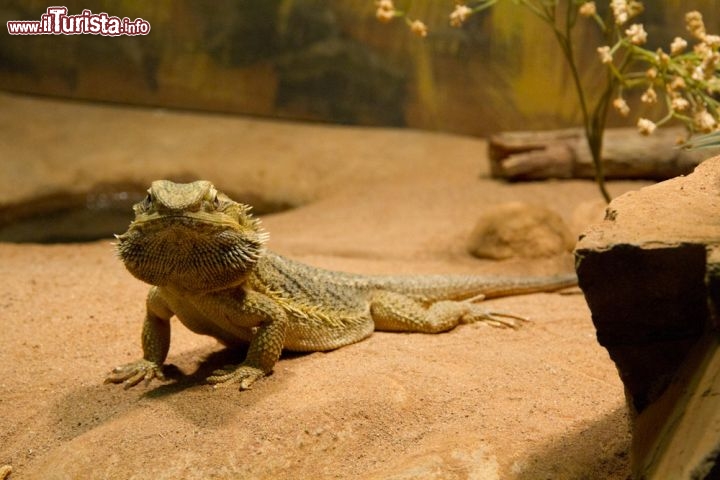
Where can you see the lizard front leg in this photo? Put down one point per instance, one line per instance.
(155, 344)
(266, 345)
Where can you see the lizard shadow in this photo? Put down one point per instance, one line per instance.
(90, 407)
(208, 364)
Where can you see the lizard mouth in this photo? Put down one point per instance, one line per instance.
(196, 220)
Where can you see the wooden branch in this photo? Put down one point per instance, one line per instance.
(519, 156)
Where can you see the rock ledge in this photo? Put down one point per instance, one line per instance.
(649, 272)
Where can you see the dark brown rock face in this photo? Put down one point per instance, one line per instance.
(651, 309)
(649, 272)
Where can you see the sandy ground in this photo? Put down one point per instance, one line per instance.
(478, 402)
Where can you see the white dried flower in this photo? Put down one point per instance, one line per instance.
(678, 45)
(588, 9)
(385, 10)
(677, 83)
(649, 96)
(662, 57)
(605, 55)
(637, 34)
(694, 24)
(624, 10)
(459, 15)
(651, 73)
(384, 15)
(704, 121)
(645, 126)
(709, 63)
(621, 106)
(698, 73)
(620, 11)
(680, 104)
(419, 28)
(702, 50)
(713, 41)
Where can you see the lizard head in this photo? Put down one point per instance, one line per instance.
(192, 237)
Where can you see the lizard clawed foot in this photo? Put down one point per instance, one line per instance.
(244, 375)
(494, 319)
(133, 373)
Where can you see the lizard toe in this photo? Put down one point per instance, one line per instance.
(243, 375)
(494, 319)
(133, 373)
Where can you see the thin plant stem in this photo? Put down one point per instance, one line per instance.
(593, 124)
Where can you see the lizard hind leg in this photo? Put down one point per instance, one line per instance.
(399, 313)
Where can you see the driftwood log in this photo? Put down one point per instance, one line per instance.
(519, 156)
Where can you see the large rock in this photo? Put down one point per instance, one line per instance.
(649, 272)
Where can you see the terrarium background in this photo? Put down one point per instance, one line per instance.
(326, 61)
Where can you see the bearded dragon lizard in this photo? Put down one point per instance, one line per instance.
(205, 257)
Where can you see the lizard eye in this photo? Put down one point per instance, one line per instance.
(216, 201)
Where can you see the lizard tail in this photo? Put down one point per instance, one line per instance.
(463, 287)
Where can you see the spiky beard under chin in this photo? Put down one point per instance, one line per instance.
(181, 257)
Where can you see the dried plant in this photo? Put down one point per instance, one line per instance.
(685, 80)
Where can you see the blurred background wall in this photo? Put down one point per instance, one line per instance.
(329, 61)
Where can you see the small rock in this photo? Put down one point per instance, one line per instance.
(518, 229)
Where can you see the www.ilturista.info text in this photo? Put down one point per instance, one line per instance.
(56, 21)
